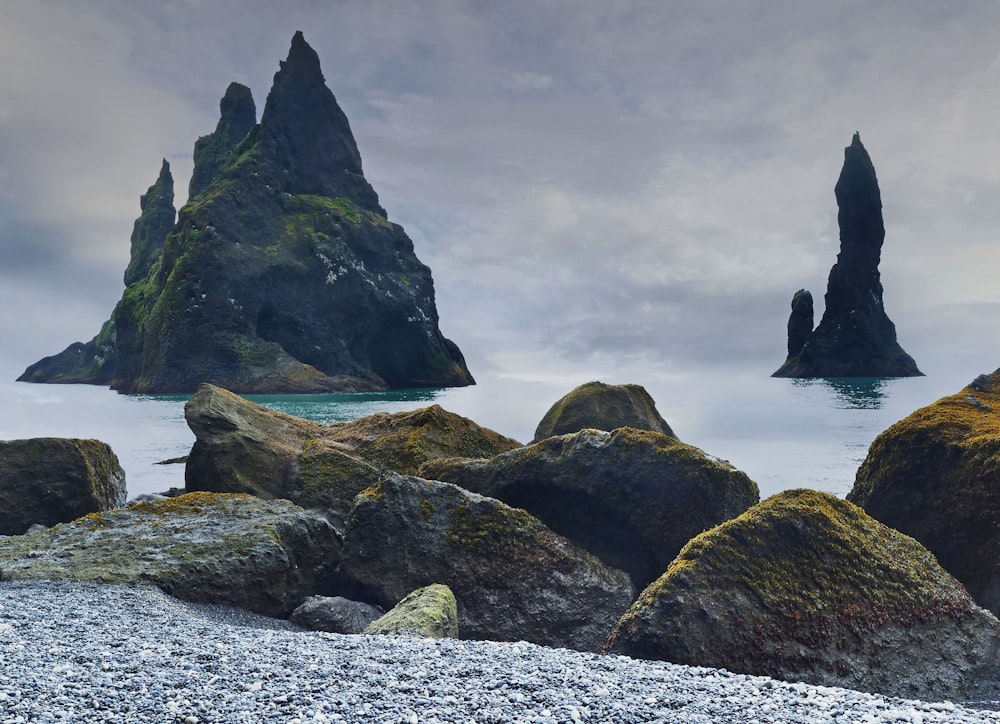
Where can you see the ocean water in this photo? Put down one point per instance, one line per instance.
(782, 433)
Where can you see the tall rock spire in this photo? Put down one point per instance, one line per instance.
(237, 116)
(309, 135)
(855, 337)
(156, 220)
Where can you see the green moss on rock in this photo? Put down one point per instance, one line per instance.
(428, 612)
(933, 475)
(808, 587)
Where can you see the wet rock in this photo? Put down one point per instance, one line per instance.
(631, 497)
(430, 612)
(238, 550)
(513, 577)
(807, 587)
(599, 406)
(55, 480)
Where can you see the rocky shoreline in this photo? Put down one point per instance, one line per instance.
(612, 541)
(104, 653)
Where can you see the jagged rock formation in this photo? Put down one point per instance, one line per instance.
(806, 587)
(933, 476)
(598, 406)
(52, 480)
(855, 337)
(282, 273)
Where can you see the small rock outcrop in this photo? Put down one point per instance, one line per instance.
(514, 578)
(807, 587)
(933, 475)
(598, 406)
(335, 614)
(282, 272)
(631, 497)
(55, 480)
(242, 447)
(430, 612)
(855, 337)
(238, 550)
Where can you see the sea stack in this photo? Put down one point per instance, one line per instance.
(282, 272)
(855, 337)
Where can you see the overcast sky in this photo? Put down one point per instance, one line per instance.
(599, 187)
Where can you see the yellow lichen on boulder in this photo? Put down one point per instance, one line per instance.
(934, 475)
(806, 586)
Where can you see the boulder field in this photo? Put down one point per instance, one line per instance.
(549, 543)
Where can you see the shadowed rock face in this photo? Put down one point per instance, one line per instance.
(631, 497)
(55, 480)
(514, 579)
(282, 273)
(855, 337)
(806, 587)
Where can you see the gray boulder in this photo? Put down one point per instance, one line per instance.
(55, 480)
(807, 587)
(335, 614)
(430, 612)
(515, 579)
(599, 406)
(631, 497)
(264, 556)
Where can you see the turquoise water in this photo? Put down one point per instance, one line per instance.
(783, 433)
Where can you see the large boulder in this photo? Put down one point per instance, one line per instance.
(514, 578)
(631, 497)
(599, 406)
(238, 550)
(933, 476)
(807, 587)
(335, 614)
(55, 480)
(242, 447)
(855, 337)
(282, 272)
(429, 612)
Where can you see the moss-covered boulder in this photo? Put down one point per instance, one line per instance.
(242, 447)
(599, 406)
(55, 480)
(264, 556)
(514, 578)
(429, 612)
(807, 587)
(935, 475)
(631, 497)
(282, 272)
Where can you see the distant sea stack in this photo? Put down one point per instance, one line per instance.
(282, 273)
(855, 338)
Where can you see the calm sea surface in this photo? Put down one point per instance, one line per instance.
(782, 433)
